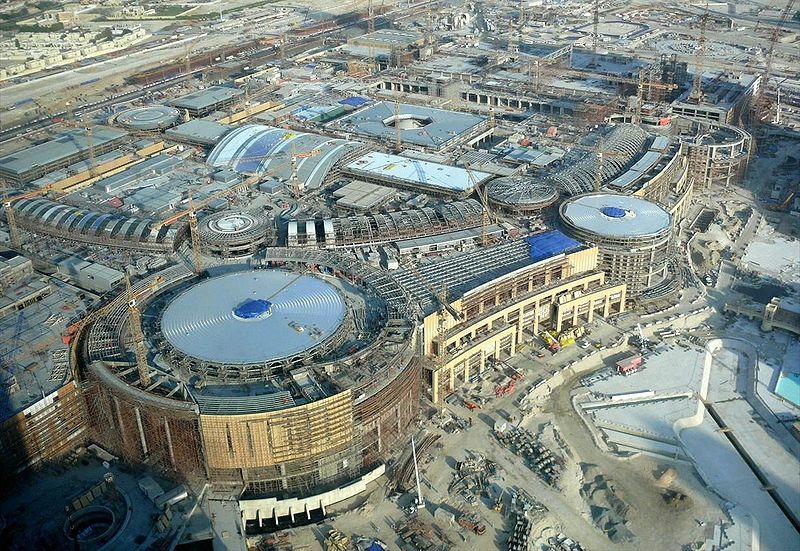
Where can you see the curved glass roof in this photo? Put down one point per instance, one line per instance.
(265, 149)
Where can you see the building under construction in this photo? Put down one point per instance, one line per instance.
(69, 147)
(718, 153)
(40, 215)
(377, 229)
(299, 420)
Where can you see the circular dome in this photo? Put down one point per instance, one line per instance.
(521, 193)
(613, 212)
(253, 317)
(153, 117)
(615, 215)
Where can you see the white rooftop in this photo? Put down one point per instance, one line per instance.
(413, 171)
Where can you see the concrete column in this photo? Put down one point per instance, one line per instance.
(141, 430)
(291, 514)
(322, 507)
(275, 516)
(122, 430)
(606, 306)
(169, 442)
(308, 512)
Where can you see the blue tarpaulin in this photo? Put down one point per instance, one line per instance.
(549, 244)
(252, 309)
(355, 101)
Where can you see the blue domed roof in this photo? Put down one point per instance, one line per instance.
(613, 212)
(253, 309)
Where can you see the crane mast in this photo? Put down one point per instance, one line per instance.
(135, 317)
(696, 95)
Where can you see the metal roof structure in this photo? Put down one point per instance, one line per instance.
(264, 149)
(199, 131)
(422, 126)
(203, 100)
(152, 117)
(464, 272)
(84, 225)
(624, 142)
(616, 215)
(521, 192)
(405, 173)
(202, 323)
(64, 146)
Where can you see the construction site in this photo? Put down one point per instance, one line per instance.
(401, 275)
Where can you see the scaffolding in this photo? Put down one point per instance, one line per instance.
(381, 228)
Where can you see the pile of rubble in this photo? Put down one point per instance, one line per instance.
(472, 478)
(422, 536)
(538, 457)
(609, 512)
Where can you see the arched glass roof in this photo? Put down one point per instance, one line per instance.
(268, 150)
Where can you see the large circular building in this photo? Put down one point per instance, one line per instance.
(287, 380)
(632, 235)
(152, 117)
(233, 234)
(521, 194)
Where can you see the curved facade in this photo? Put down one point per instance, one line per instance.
(633, 236)
(233, 234)
(718, 153)
(521, 194)
(319, 417)
(257, 148)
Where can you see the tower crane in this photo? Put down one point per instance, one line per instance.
(600, 153)
(761, 103)
(486, 214)
(696, 95)
(398, 135)
(194, 235)
(90, 145)
(294, 182)
(135, 320)
(595, 31)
